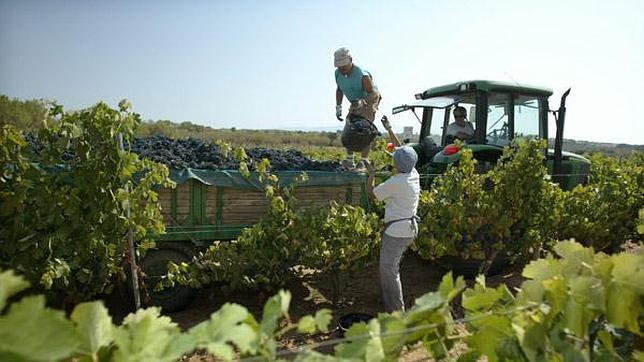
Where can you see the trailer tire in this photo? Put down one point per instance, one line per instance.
(155, 265)
(183, 247)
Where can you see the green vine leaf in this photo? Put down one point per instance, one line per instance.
(10, 285)
(31, 332)
(147, 336)
(94, 325)
(226, 326)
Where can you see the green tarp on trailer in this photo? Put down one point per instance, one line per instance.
(234, 178)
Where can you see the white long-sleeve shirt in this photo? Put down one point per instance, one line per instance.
(400, 194)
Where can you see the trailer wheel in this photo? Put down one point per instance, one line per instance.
(185, 248)
(155, 265)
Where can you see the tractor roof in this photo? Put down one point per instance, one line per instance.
(486, 86)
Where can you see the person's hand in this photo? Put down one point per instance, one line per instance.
(338, 112)
(359, 104)
(385, 123)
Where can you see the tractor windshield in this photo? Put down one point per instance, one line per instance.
(498, 132)
(526, 117)
(525, 114)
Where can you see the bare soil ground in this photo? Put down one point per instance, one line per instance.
(361, 293)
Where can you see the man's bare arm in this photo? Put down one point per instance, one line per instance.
(372, 94)
(367, 85)
(392, 136)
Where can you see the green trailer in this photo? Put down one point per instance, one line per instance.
(211, 205)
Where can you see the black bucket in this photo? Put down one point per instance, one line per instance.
(358, 133)
(346, 321)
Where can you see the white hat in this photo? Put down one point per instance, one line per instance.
(341, 57)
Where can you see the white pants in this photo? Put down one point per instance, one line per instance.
(391, 251)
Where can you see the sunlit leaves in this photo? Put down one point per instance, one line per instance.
(590, 306)
(94, 326)
(147, 336)
(604, 212)
(275, 308)
(321, 320)
(286, 240)
(364, 342)
(481, 216)
(33, 332)
(10, 284)
(224, 330)
(568, 306)
(67, 202)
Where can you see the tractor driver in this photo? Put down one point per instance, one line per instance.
(461, 128)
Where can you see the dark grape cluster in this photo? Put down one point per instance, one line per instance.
(291, 160)
(195, 153)
(199, 154)
(33, 143)
(36, 147)
(182, 153)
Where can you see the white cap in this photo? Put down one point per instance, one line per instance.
(341, 57)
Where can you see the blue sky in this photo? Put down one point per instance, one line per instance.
(268, 64)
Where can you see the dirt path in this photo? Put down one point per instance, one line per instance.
(361, 293)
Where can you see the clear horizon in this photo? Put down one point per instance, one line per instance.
(268, 65)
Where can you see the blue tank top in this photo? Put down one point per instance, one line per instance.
(351, 85)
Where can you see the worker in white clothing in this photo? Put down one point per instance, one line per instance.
(400, 193)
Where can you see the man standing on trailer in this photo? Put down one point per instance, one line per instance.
(357, 85)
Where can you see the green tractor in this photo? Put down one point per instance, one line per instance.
(499, 113)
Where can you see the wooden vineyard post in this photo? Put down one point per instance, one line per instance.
(130, 244)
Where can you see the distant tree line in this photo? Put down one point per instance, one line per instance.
(24, 115)
(588, 147)
(239, 137)
(28, 115)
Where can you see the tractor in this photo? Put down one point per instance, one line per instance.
(499, 112)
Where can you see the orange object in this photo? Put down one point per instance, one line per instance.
(450, 149)
(390, 147)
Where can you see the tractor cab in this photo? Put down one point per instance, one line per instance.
(496, 114)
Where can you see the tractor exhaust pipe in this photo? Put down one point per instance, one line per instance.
(560, 117)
